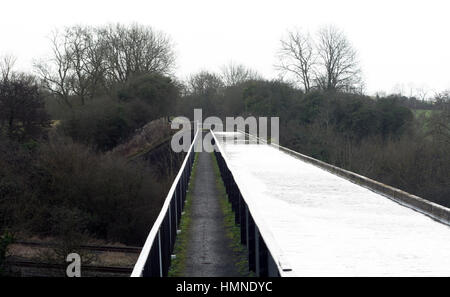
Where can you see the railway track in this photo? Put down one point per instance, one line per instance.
(91, 268)
(31, 267)
(117, 249)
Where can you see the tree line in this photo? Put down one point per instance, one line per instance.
(88, 60)
(380, 137)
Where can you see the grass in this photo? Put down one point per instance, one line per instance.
(178, 264)
(233, 231)
(422, 116)
(422, 112)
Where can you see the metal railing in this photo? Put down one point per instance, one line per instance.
(265, 258)
(155, 257)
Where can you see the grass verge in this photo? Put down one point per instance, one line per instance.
(179, 263)
(233, 231)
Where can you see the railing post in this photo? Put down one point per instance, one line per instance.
(251, 242)
(257, 253)
(185, 183)
(165, 248)
(272, 270)
(237, 212)
(170, 230)
(176, 209)
(160, 254)
(232, 193)
(180, 188)
(243, 220)
(263, 257)
(180, 204)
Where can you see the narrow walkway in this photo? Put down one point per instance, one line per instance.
(208, 250)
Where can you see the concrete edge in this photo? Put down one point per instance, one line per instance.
(431, 209)
(435, 211)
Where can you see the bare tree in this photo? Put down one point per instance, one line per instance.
(204, 87)
(6, 66)
(204, 83)
(440, 121)
(339, 68)
(133, 50)
(56, 73)
(233, 74)
(95, 55)
(87, 54)
(86, 59)
(80, 79)
(297, 57)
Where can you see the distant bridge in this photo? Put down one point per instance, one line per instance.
(302, 217)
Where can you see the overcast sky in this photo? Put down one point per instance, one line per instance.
(400, 43)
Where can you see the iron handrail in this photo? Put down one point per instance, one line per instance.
(164, 228)
(274, 252)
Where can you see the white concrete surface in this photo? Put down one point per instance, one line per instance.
(325, 225)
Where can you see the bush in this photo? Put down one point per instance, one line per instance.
(106, 122)
(271, 98)
(102, 123)
(6, 239)
(156, 91)
(67, 189)
(22, 109)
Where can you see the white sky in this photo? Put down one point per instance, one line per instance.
(400, 43)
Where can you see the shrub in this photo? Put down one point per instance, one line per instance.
(5, 240)
(22, 109)
(66, 189)
(102, 123)
(106, 122)
(157, 91)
